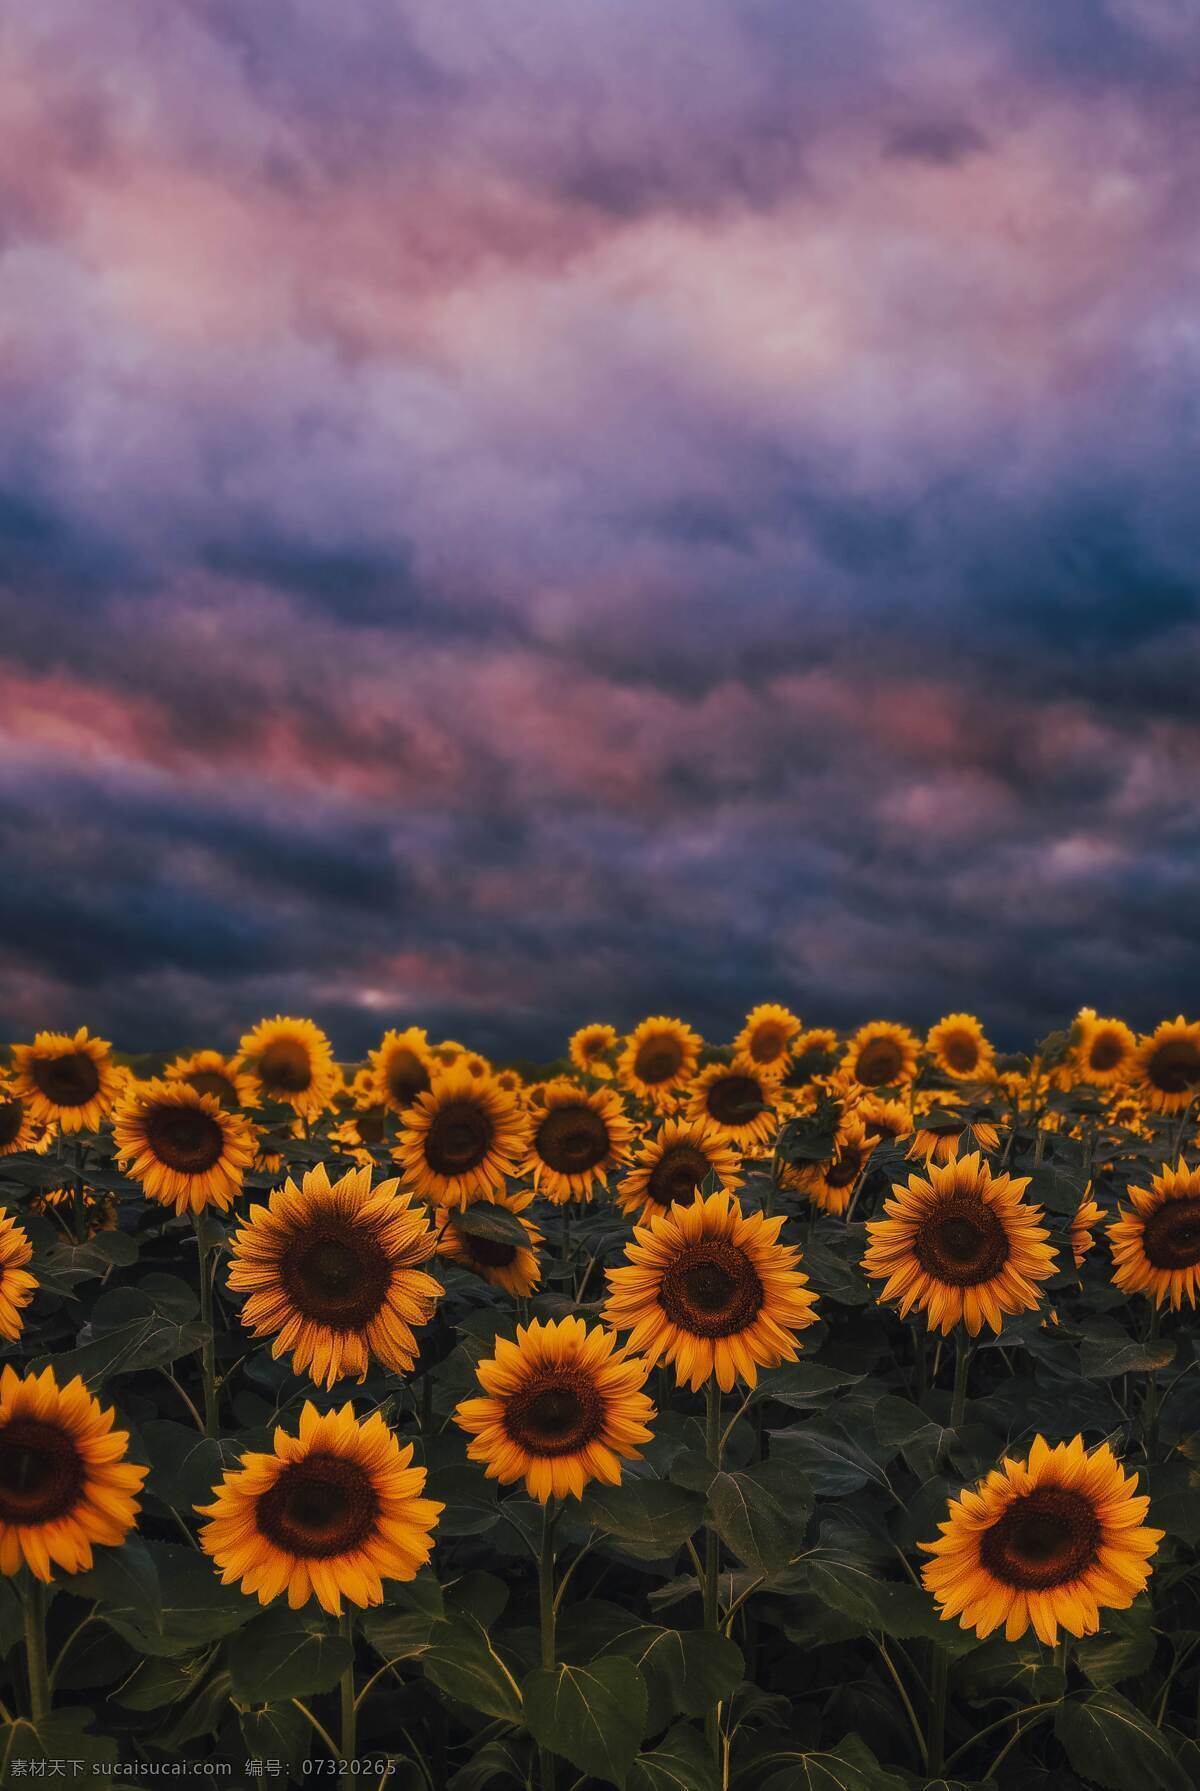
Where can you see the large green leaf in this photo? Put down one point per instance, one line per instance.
(685, 1670)
(62, 1735)
(485, 1219)
(123, 1580)
(682, 1761)
(185, 1466)
(1103, 1358)
(401, 1627)
(196, 1607)
(760, 1513)
(850, 1766)
(594, 1716)
(468, 1496)
(462, 1661)
(287, 1654)
(1108, 1740)
(651, 1518)
(278, 1732)
(832, 1463)
(495, 1763)
(126, 1331)
(801, 1384)
(892, 1607)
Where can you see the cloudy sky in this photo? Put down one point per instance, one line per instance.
(516, 513)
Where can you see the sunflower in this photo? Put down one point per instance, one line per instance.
(292, 1064)
(186, 1150)
(1087, 1214)
(332, 1274)
(1156, 1247)
(830, 1185)
(64, 1480)
(888, 1119)
(1165, 1069)
(402, 1066)
(100, 1210)
(660, 1055)
(562, 1405)
(673, 1164)
(576, 1138)
(766, 1038)
(447, 1054)
(363, 1125)
(881, 1055)
(16, 1287)
(591, 1049)
(510, 1081)
(1104, 1050)
(461, 1138)
(712, 1290)
(1048, 1541)
(208, 1072)
(68, 1082)
(944, 1130)
(737, 1099)
(331, 1513)
(514, 1267)
(959, 1049)
(18, 1131)
(961, 1246)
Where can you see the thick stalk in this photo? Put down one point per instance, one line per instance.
(33, 1599)
(712, 1551)
(208, 1349)
(546, 1768)
(349, 1704)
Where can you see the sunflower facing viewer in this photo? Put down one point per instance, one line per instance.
(673, 1164)
(1156, 1246)
(186, 1150)
(659, 1057)
(66, 1081)
(577, 1138)
(292, 1063)
(461, 1139)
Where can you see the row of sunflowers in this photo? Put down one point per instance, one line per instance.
(804, 1410)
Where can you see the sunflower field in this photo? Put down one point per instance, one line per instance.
(804, 1411)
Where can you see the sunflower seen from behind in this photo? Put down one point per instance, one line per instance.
(502, 1263)
(673, 1164)
(561, 1406)
(461, 1139)
(291, 1062)
(711, 1290)
(187, 1151)
(961, 1246)
(766, 1038)
(660, 1056)
(592, 1048)
(1047, 1542)
(333, 1274)
(1156, 1243)
(66, 1484)
(68, 1081)
(576, 1138)
(737, 1100)
(327, 1514)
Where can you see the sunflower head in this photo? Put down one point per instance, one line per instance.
(881, 1055)
(512, 1266)
(1156, 1245)
(961, 1246)
(333, 1275)
(1086, 1216)
(887, 1119)
(1103, 1051)
(1165, 1069)
(208, 1072)
(461, 1139)
(68, 1081)
(561, 1406)
(18, 1130)
(676, 1161)
(329, 1514)
(1049, 1541)
(292, 1064)
(830, 1185)
(186, 1150)
(959, 1049)
(576, 1139)
(943, 1128)
(767, 1037)
(712, 1290)
(737, 1100)
(17, 1287)
(660, 1055)
(593, 1048)
(65, 1484)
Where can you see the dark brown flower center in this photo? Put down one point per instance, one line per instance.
(186, 1139)
(572, 1139)
(556, 1412)
(1175, 1066)
(658, 1059)
(961, 1051)
(487, 1253)
(369, 1124)
(41, 1473)
(320, 1506)
(1171, 1235)
(1106, 1052)
(962, 1242)
(1045, 1538)
(212, 1082)
(407, 1076)
(677, 1174)
(843, 1171)
(69, 1081)
(459, 1138)
(880, 1062)
(711, 1289)
(285, 1067)
(336, 1274)
(767, 1043)
(734, 1100)
(12, 1118)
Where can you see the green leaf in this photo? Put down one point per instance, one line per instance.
(651, 1518)
(1108, 1740)
(894, 1607)
(682, 1761)
(833, 1276)
(832, 1464)
(62, 1735)
(850, 1766)
(123, 1579)
(471, 1506)
(801, 1384)
(287, 1654)
(186, 1466)
(462, 1662)
(196, 1607)
(1123, 1653)
(401, 1627)
(494, 1762)
(761, 1514)
(278, 1732)
(1102, 1358)
(484, 1219)
(62, 1267)
(159, 1682)
(594, 1716)
(685, 1670)
(127, 1331)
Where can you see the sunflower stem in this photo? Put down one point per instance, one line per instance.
(935, 1744)
(80, 1202)
(712, 1550)
(546, 1768)
(349, 1702)
(208, 1349)
(1150, 1404)
(962, 1361)
(33, 1599)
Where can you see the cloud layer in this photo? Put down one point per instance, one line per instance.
(511, 516)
